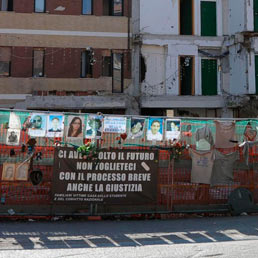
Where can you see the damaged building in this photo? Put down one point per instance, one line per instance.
(199, 58)
(194, 58)
(65, 55)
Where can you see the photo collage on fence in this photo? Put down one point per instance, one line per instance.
(201, 136)
(89, 126)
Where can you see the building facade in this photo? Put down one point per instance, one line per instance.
(65, 55)
(198, 58)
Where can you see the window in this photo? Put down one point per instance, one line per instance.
(86, 66)
(113, 7)
(117, 7)
(186, 17)
(117, 86)
(209, 77)
(186, 75)
(7, 5)
(256, 73)
(106, 66)
(256, 15)
(38, 63)
(208, 18)
(40, 6)
(87, 7)
(5, 61)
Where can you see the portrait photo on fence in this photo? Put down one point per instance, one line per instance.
(94, 127)
(13, 137)
(8, 171)
(172, 129)
(155, 129)
(14, 121)
(137, 128)
(55, 125)
(38, 125)
(75, 127)
(21, 171)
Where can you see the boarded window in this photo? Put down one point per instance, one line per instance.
(186, 75)
(186, 17)
(86, 64)
(40, 6)
(106, 66)
(38, 63)
(86, 6)
(6, 5)
(208, 18)
(256, 74)
(117, 86)
(255, 15)
(5, 61)
(209, 77)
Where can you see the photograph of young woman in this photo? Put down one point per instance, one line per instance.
(75, 127)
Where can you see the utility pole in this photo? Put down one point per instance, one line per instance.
(134, 92)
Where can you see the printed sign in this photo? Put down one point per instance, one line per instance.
(119, 177)
(115, 124)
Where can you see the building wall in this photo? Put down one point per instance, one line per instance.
(60, 63)
(164, 18)
(65, 7)
(21, 62)
(62, 32)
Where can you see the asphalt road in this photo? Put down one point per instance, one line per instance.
(234, 237)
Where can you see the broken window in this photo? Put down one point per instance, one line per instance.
(142, 69)
(186, 75)
(86, 64)
(186, 17)
(39, 6)
(87, 7)
(106, 66)
(208, 18)
(117, 84)
(209, 77)
(5, 61)
(7, 5)
(113, 7)
(38, 63)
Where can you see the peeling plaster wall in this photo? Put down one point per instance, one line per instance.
(157, 18)
(238, 71)
(162, 66)
(241, 16)
(155, 61)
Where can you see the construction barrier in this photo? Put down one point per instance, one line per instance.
(165, 183)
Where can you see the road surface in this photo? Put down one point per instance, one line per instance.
(220, 237)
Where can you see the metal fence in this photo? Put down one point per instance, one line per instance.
(175, 191)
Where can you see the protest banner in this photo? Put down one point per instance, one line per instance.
(117, 177)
